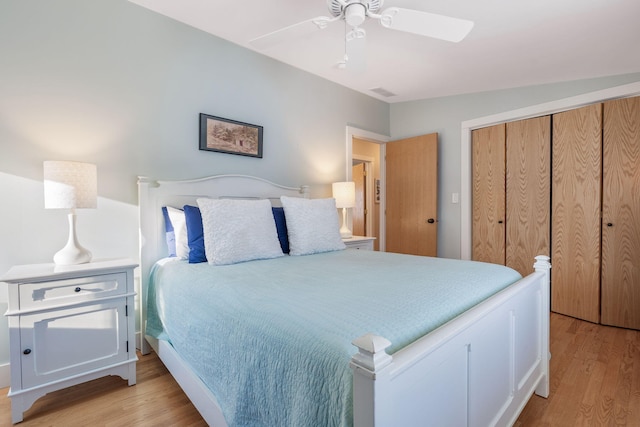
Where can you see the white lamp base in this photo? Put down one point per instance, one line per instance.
(73, 252)
(345, 232)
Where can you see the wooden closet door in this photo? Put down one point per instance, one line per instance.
(576, 198)
(621, 214)
(488, 198)
(528, 184)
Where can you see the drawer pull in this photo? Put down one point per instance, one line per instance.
(27, 351)
(77, 289)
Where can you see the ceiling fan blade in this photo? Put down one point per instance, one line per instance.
(291, 32)
(425, 24)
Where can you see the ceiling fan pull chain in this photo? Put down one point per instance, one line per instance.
(343, 63)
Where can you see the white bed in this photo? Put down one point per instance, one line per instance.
(479, 369)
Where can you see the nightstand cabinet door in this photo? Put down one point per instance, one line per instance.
(63, 343)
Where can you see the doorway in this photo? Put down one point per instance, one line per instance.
(380, 185)
(367, 148)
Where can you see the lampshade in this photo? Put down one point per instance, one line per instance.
(345, 194)
(70, 185)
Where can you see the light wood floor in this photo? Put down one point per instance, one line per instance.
(595, 381)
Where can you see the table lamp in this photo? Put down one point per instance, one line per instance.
(70, 185)
(345, 195)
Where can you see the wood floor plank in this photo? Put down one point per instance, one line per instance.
(595, 377)
(595, 381)
(156, 400)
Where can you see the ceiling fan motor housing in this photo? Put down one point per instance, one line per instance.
(340, 7)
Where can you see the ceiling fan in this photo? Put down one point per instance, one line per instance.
(355, 12)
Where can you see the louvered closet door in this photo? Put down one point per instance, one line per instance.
(621, 214)
(528, 184)
(576, 198)
(488, 198)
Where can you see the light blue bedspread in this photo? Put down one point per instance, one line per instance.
(272, 338)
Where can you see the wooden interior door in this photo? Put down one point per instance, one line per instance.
(528, 192)
(488, 194)
(412, 195)
(359, 211)
(620, 304)
(576, 198)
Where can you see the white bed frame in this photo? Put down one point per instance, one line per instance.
(479, 369)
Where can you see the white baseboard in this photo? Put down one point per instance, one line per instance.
(5, 375)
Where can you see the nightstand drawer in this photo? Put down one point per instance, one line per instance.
(359, 242)
(62, 292)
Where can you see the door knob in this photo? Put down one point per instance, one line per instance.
(609, 224)
(431, 220)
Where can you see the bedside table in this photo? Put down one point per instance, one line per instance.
(359, 242)
(67, 325)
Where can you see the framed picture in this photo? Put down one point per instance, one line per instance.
(230, 136)
(377, 196)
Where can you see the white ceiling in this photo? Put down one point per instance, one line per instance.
(513, 43)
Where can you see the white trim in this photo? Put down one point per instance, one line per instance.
(632, 89)
(375, 138)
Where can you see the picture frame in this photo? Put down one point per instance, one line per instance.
(377, 191)
(230, 136)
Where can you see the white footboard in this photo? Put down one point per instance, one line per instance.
(480, 369)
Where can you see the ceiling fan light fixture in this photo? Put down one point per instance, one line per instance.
(355, 14)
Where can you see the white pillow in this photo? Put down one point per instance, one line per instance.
(238, 230)
(312, 225)
(180, 230)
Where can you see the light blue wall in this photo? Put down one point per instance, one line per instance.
(109, 82)
(445, 115)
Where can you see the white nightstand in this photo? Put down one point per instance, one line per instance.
(68, 325)
(359, 242)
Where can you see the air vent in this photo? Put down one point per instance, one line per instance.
(382, 91)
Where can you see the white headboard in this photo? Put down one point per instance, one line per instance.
(153, 195)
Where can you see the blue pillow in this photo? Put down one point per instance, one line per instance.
(170, 235)
(195, 235)
(281, 226)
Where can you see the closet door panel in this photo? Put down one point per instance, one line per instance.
(576, 198)
(488, 198)
(621, 214)
(528, 185)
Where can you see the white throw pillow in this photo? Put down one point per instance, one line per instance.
(180, 230)
(238, 230)
(312, 225)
